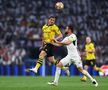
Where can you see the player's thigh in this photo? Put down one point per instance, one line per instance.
(78, 62)
(66, 60)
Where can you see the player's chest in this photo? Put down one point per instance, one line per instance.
(48, 30)
(88, 47)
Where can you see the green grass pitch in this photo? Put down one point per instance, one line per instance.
(40, 83)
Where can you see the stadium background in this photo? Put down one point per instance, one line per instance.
(20, 31)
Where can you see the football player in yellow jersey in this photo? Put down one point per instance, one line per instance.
(50, 30)
(90, 57)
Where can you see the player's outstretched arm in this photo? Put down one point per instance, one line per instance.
(65, 42)
(57, 43)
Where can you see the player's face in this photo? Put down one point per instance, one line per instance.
(51, 21)
(88, 39)
(66, 30)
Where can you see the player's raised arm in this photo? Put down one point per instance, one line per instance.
(62, 43)
(67, 42)
(57, 43)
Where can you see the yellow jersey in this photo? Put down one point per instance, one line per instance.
(90, 55)
(49, 32)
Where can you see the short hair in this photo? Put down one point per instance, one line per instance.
(51, 17)
(70, 27)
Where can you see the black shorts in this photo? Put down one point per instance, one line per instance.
(90, 62)
(49, 49)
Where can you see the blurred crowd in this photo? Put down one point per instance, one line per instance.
(21, 22)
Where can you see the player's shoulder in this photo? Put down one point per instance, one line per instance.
(45, 25)
(73, 35)
(92, 44)
(54, 26)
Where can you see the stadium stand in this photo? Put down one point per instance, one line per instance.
(21, 22)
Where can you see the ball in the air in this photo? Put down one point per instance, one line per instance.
(59, 5)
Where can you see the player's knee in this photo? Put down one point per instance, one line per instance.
(40, 58)
(83, 71)
(86, 67)
(60, 65)
(42, 54)
(95, 68)
(80, 69)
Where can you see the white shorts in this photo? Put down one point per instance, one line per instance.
(68, 60)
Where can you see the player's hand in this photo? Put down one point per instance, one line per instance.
(89, 51)
(53, 40)
(56, 41)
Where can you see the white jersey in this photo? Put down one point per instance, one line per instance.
(72, 48)
(73, 54)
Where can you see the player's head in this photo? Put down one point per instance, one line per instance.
(88, 39)
(51, 20)
(69, 29)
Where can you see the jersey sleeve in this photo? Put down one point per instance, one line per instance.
(71, 38)
(92, 46)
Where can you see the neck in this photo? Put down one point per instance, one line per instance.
(88, 42)
(49, 24)
(69, 33)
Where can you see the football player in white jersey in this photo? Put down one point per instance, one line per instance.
(72, 57)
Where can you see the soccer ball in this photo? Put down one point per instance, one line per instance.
(59, 5)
